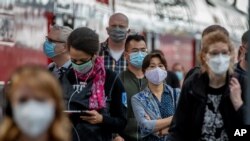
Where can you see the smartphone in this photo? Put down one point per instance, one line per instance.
(77, 112)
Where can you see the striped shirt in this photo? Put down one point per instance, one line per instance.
(109, 62)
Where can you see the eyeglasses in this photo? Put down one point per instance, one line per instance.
(214, 53)
(53, 41)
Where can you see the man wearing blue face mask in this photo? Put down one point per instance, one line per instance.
(55, 48)
(133, 79)
(113, 48)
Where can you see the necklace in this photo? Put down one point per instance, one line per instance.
(84, 83)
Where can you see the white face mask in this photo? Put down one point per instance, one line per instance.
(34, 118)
(156, 76)
(219, 64)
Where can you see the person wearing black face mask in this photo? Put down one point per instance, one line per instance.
(113, 48)
(241, 66)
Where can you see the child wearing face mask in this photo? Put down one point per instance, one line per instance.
(155, 106)
(34, 109)
(211, 103)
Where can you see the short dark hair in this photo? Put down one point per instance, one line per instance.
(161, 52)
(84, 39)
(147, 59)
(136, 37)
(213, 28)
(245, 36)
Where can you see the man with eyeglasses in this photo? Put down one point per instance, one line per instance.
(133, 79)
(55, 48)
(113, 48)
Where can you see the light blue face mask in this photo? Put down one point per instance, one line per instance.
(83, 68)
(136, 58)
(49, 49)
(179, 75)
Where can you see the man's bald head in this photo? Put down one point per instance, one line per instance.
(118, 19)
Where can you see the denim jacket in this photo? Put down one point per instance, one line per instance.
(144, 103)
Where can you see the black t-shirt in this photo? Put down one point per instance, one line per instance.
(213, 124)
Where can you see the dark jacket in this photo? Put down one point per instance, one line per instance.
(188, 119)
(114, 115)
(239, 70)
(192, 71)
(172, 80)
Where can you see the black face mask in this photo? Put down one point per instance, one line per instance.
(246, 54)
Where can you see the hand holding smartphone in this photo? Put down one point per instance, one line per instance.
(77, 112)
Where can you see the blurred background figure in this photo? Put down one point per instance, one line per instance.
(211, 100)
(179, 70)
(155, 106)
(34, 107)
(113, 48)
(55, 48)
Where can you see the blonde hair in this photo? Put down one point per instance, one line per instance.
(40, 79)
(212, 38)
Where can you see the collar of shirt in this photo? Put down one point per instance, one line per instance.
(116, 54)
(104, 46)
(147, 91)
(109, 62)
(65, 66)
(105, 50)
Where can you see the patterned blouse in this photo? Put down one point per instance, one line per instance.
(145, 103)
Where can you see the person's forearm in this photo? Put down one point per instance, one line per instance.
(162, 123)
(237, 104)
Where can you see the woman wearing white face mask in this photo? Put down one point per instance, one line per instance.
(155, 105)
(210, 102)
(34, 109)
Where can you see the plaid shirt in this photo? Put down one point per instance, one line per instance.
(109, 62)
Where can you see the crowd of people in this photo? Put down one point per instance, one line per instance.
(118, 90)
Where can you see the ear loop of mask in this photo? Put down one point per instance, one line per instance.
(61, 52)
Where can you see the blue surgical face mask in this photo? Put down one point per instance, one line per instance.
(117, 34)
(136, 58)
(179, 75)
(83, 68)
(49, 49)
